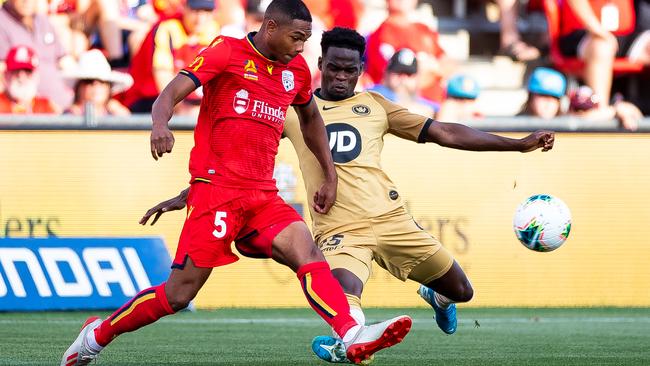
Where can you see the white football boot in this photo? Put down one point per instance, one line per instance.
(79, 353)
(375, 337)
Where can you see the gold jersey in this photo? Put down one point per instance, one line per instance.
(355, 127)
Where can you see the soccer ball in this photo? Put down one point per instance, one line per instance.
(542, 223)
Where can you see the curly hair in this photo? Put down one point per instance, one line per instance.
(343, 38)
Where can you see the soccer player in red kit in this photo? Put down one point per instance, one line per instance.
(248, 85)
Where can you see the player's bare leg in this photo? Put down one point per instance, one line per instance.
(332, 349)
(145, 308)
(183, 284)
(294, 247)
(443, 293)
(353, 288)
(454, 285)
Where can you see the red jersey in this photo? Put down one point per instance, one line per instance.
(245, 100)
(617, 16)
(166, 47)
(390, 37)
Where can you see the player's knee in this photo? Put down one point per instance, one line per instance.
(352, 288)
(314, 254)
(465, 293)
(179, 300)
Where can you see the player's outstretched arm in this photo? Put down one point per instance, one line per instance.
(315, 136)
(162, 139)
(173, 204)
(458, 136)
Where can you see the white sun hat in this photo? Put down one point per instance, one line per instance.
(93, 65)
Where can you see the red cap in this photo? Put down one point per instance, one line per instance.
(21, 58)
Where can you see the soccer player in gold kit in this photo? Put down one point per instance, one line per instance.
(368, 221)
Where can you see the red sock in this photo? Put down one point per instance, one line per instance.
(325, 295)
(145, 308)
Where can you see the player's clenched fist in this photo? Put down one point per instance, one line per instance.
(162, 140)
(539, 139)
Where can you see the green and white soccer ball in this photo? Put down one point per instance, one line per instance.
(542, 222)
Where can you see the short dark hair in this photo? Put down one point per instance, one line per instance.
(343, 38)
(286, 11)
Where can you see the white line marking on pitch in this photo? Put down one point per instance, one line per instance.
(316, 321)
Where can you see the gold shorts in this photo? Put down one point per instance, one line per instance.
(394, 240)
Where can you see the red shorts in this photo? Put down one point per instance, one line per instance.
(217, 216)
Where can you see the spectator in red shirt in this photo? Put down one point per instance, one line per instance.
(21, 79)
(95, 83)
(400, 84)
(170, 45)
(399, 31)
(598, 31)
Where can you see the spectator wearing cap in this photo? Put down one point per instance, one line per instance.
(400, 84)
(21, 80)
(547, 87)
(462, 92)
(401, 30)
(21, 25)
(170, 45)
(94, 85)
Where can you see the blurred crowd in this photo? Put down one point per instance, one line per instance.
(115, 56)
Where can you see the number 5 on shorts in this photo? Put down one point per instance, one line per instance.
(220, 231)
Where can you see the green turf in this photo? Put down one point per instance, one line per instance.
(282, 337)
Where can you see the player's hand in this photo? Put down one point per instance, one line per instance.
(176, 203)
(162, 140)
(539, 139)
(325, 196)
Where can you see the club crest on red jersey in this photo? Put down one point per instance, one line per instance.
(241, 101)
(287, 80)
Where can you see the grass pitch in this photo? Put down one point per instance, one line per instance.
(595, 336)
